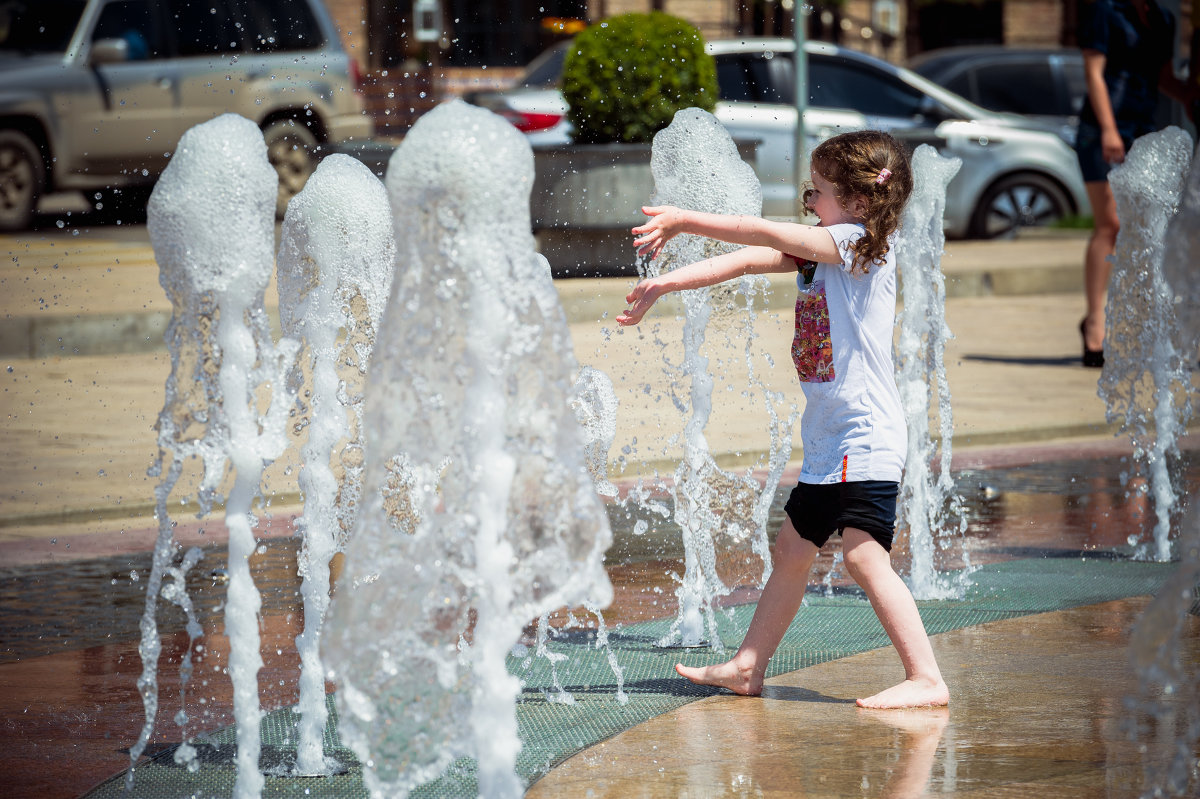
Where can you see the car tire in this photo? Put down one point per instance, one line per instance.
(1023, 200)
(292, 150)
(22, 180)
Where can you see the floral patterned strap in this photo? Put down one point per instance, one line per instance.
(804, 266)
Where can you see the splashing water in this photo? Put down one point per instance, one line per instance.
(927, 501)
(1165, 709)
(1145, 383)
(336, 259)
(211, 224)
(696, 165)
(595, 407)
(478, 513)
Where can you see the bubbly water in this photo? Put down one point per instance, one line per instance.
(1145, 383)
(1166, 708)
(696, 165)
(595, 404)
(927, 500)
(211, 223)
(478, 512)
(337, 255)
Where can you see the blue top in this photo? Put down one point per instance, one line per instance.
(1135, 55)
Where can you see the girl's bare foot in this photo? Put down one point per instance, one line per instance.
(910, 693)
(724, 675)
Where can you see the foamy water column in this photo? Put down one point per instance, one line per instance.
(1145, 383)
(1164, 712)
(211, 223)
(478, 513)
(926, 499)
(696, 165)
(595, 404)
(337, 255)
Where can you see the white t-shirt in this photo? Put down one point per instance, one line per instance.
(853, 426)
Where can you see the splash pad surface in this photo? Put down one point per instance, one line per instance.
(828, 628)
(1031, 525)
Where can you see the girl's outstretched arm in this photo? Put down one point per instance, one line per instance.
(666, 222)
(746, 261)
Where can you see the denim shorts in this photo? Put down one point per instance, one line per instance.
(817, 511)
(1091, 157)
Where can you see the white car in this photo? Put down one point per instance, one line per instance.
(1015, 172)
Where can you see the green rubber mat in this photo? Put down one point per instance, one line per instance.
(551, 730)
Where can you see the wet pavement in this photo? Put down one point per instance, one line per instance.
(1036, 712)
(68, 665)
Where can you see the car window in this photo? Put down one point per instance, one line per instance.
(271, 25)
(1006, 87)
(546, 69)
(38, 26)
(203, 27)
(962, 84)
(133, 21)
(834, 84)
(1076, 84)
(754, 78)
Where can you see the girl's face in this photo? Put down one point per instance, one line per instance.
(822, 199)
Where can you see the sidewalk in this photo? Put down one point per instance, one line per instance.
(79, 431)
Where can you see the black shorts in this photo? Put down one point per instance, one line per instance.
(817, 511)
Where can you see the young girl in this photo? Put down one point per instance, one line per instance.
(853, 427)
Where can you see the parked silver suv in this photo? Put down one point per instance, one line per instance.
(94, 94)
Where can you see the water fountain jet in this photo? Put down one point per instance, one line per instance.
(697, 166)
(927, 503)
(336, 258)
(1145, 383)
(211, 224)
(478, 512)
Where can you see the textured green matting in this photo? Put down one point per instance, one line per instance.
(826, 628)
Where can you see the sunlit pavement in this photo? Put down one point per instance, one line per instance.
(1036, 711)
(1037, 700)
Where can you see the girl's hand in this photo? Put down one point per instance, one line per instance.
(640, 298)
(664, 224)
(1111, 147)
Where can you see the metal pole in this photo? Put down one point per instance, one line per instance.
(800, 154)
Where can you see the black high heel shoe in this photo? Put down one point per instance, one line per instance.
(1092, 359)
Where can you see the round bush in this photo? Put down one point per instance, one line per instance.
(624, 78)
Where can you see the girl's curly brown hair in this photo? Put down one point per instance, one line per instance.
(871, 164)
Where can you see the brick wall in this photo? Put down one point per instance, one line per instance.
(1035, 23)
(350, 17)
(395, 97)
(715, 20)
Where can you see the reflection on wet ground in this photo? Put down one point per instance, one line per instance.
(68, 630)
(1015, 728)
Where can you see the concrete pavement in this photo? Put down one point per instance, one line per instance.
(84, 369)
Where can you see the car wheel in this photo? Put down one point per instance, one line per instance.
(22, 179)
(292, 150)
(1017, 201)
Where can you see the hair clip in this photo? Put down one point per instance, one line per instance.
(882, 177)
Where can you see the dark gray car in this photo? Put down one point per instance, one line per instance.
(1043, 84)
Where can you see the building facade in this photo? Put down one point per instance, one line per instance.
(416, 53)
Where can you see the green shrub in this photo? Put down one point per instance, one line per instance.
(624, 78)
